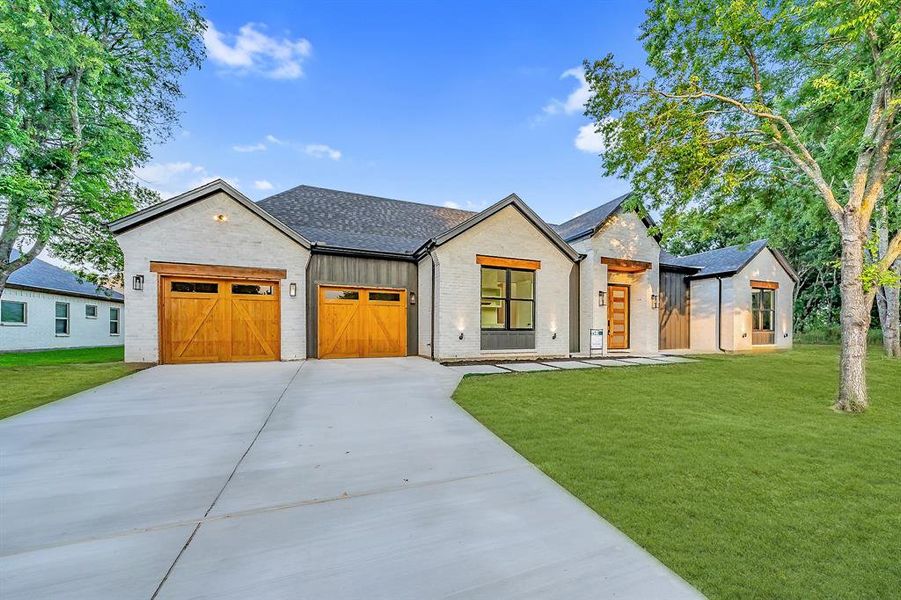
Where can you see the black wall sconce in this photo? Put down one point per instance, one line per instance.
(292, 290)
(653, 300)
(461, 335)
(412, 298)
(602, 298)
(554, 337)
(137, 282)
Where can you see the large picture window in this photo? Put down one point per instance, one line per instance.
(508, 299)
(763, 315)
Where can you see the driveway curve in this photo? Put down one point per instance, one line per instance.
(325, 479)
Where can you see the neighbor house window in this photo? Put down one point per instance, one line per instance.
(114, 321)
(763, 315)
(508, 299)
(62, 318)
(13, 312)
(90, 311)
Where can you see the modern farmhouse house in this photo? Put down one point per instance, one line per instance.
(44, 306)
(312, 272)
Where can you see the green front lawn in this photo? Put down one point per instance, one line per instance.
(734, 471)
(30, 379)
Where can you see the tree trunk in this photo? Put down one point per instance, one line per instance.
(855, 321)
(890, 318)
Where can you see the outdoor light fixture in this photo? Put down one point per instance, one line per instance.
(292, 290)
(461, 335)
(602, 298)
(412, 298)
(554, 337)
(653, 300)
(137, 282)
(221, 218)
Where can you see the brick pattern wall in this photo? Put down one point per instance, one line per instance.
(507, 234)
(193, 235)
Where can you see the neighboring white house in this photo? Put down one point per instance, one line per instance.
(310, 272)
(44, 306)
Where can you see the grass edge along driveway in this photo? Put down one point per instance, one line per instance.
(32, 379)
(733, 471)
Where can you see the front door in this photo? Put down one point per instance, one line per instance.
(617, 317)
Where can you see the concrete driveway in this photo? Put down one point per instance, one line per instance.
(324, 479)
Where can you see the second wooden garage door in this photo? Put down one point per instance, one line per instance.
(218, 320)
(362, 322)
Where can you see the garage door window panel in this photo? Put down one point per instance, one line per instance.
(195, 287)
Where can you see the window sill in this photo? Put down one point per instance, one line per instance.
(14, 324)
(63, 334)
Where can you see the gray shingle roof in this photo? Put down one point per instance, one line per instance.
(360, 222)
(588, 222)
(40, 275)
(722, 261)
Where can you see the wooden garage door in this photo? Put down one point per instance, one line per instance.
(362, 322)
(218, 320)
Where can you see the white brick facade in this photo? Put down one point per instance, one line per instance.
(735, 322)
(39, 330)
(192, 234)
(624, 235)
(458, 286)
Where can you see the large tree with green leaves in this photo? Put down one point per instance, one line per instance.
(750, 95)
(85, 87)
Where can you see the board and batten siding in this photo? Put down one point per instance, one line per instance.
(356, 271)
(675, 310)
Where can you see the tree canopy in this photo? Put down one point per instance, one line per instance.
(85, 87)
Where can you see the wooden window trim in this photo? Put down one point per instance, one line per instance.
(625, 265)
(217, 271)
(765, 285)
(522, 264)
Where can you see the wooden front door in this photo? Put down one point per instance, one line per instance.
(218, 320)
(617, 317)
(362, 322)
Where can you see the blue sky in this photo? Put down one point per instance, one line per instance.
(453, 104)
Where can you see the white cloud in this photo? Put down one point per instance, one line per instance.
(322, 151)
(451, 204)
(470, 205)
(588, 140)
(249, 147)
(262, 184)
(173, 178)
(274, 140)
(575, 102)
(252, 51)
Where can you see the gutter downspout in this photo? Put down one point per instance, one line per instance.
(719, 314)
(432, 310)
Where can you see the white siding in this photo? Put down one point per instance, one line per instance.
(624, 235)
(506, 234)
(193, 235)
(424, 296)
(40, 330)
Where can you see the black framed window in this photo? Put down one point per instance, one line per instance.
(507, 299)
(763, 315)
(113, 321)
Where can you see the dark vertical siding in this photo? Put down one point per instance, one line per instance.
(508, 340)
(574, 310)
(675, 310)
(337, 269)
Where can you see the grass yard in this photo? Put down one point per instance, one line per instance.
(733, 471)
(30, 379)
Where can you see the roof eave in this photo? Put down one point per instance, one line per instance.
(47, 290)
